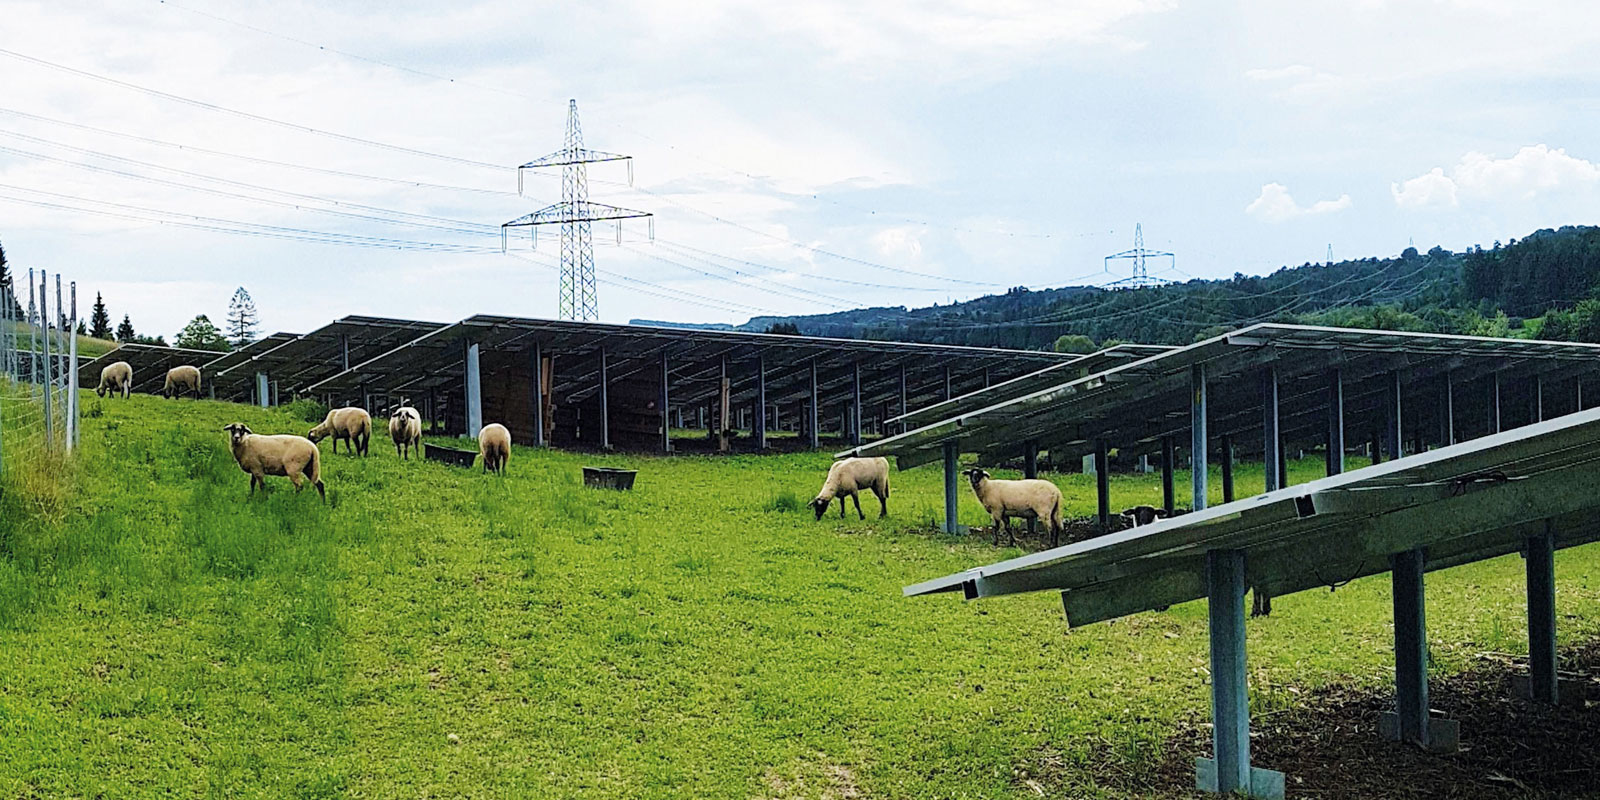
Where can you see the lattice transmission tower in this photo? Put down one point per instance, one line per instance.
(1140, 257)
(578, 299)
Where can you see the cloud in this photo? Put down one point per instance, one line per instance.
(1533, 171)
(1425, 191)
(897, 242)
(1275, 204)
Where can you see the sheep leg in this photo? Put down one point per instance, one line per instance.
(299, 481)
(842, 506)
(883, 503)
(994, 526)
(857, 499)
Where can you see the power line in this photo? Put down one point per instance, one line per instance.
(245, 114)
(254, 159)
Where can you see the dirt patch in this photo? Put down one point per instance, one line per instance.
(1328, 744)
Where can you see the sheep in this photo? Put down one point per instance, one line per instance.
(1144, 515)
(494, 444)
(351, 424)
(849, 476)
(291, 456)
(115, 378)
(1028, 499)
(405, 428)
(182, 379)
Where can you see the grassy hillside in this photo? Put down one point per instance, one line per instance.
(88, 346)
(434, 632)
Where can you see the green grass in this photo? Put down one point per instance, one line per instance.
(89, 348)
(164, 635)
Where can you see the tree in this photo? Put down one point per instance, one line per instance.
(99, 319)
(784, 328)
(125, 330)
(9, 285)
(83, 330)
(242, 319)
(200, 334)
(1074, 343)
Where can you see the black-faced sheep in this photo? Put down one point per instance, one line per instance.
(847, 477)
(350, 424)
(1144, 515)
(1026, 499)
(405, 428)
(290, 456)
(180, 380)
(116, 378)
(494, 444)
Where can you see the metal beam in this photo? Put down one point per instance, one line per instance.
(811, 410)
(761, 402)
(1198, 441)
(1102, 484)
(1409, 722)
(474, 390)
(539, 433)
(951, 499)
(1227, 468)
(1394, 416)
(666, 400)
(1269, 428)
(855, 403)
(1542, 682)
(1335, 422)
(605, 403)
(1229, 770)
(1169, 459)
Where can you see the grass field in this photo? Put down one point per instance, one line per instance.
(434, 632)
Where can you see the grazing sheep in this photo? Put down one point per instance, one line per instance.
(494, 444)
(182, 379)
(849, 476)
(1144, 515)
(405, 428)
(115, 378)
(350, 424)
(1027, 499)
(291, 456)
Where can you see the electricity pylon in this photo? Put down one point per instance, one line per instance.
(1139, 256)
(578, 298)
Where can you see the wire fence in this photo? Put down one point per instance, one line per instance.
(38, 378)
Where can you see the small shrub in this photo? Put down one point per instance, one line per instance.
(307, 409)
(785, 501)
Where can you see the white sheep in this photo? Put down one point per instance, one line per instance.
(494, 444)
(182, 379)
(1027, 499)
(291, 456)
(405, 428)
(849, 476)
(350, 424)
(115, 378)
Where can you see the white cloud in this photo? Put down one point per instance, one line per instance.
(1425, 191)
(1534, 170)
(1275, 204)
(898, 243)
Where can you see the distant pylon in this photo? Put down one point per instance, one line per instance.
(1330, 252)
(578, 298)
(1139, 255)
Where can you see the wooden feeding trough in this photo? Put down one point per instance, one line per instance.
(449, 455)
(609, 478)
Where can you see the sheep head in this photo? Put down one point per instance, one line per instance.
(236, 432)
(976, 475)
(820, 505)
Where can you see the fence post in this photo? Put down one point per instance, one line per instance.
(44, 327)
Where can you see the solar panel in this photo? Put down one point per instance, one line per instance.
(1467, 502)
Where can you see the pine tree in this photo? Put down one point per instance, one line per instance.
(83, 330)
(200, 334)
(9, 285)
(242, 319)
(99, 319)
(125, 330)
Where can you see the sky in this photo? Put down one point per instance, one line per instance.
(797, 158)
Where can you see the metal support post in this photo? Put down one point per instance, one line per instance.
(1199, 441)
(666, 399)
(1494, 403)
(761, 403)
(1270, 446)
(474, 391)
(1227, 468)
(262, 392)
(1393, 411)
(1543, 685)
(951, 504)
(539, 433)
(605, 402)
(855, 403)
(1409, 722)
(1169, 458)
(1228, 771)
(1102, 484)
(812, 424)
(1335, 422)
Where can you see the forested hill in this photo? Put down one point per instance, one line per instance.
(1544, 285)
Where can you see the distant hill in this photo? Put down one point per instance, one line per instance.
(1544, 285)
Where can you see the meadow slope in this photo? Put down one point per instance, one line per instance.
(434, 632)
